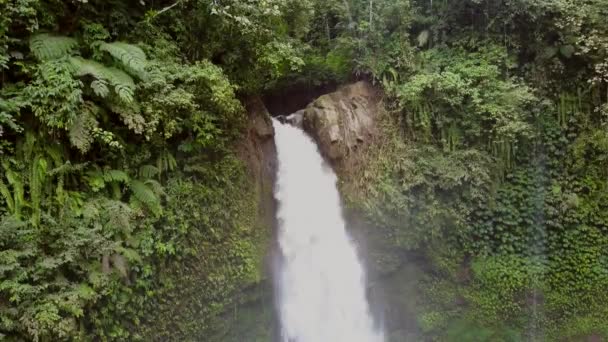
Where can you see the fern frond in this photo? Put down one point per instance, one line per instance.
(18, 193)
(37, 176)
(47, 47)
(131, 56)
(144, 194)
(129, 113)
(67, 168)
(84, 67)
(100, 88)
(118, 77)
(55, 153)
(80, 131)
(115, 176)
(148, 171)
(8, 196)
(165, 162)
(158, 189)
(123, 83)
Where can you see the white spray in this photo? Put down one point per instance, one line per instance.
(321, 282)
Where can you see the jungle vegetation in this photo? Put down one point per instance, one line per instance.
(122, 210)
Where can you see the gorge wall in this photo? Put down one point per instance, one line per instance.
(347, 126)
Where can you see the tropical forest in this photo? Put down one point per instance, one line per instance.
(304, 170)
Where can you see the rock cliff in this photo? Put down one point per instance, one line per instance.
(341, 122)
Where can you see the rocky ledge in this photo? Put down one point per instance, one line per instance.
(341, 122)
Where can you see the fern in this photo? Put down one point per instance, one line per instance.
(95, 180)
(18, 192)
(67, 168)
(158, 189)
(37, 176)
(142, 192)
(100, 88)
(148, 171)
(8, 196)
(146, 195)
(47, 47)
(129, 113)
(123, 83)
(115, 176)
(130, 56)
(100, 179)
(124, 92)
(80, 131)
(55, 153)
(165, 162)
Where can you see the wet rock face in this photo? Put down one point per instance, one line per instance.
(296, 118)
(258, 151)
(341, 122)
(259, 119)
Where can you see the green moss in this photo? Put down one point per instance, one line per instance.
(224, 256)
(509, 252)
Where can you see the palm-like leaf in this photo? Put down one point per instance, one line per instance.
(123, 83)
(47, 47)
(146, 195)
(8, 196)
(100, 88)
(130, 56)
(115, 176)
(148, 171)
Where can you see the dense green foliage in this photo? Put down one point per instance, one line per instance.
(126, 214)
(493, 168)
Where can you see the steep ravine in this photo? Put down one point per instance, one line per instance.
(344, 124)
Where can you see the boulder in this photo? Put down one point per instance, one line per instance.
(341, 122)
(296, 119)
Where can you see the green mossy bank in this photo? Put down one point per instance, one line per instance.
(462, 247)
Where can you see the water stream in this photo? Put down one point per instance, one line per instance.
(321, 281)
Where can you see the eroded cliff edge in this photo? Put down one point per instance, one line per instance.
(342, 122)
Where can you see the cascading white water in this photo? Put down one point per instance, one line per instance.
(321, 282)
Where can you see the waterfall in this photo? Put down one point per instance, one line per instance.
(320, 280)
